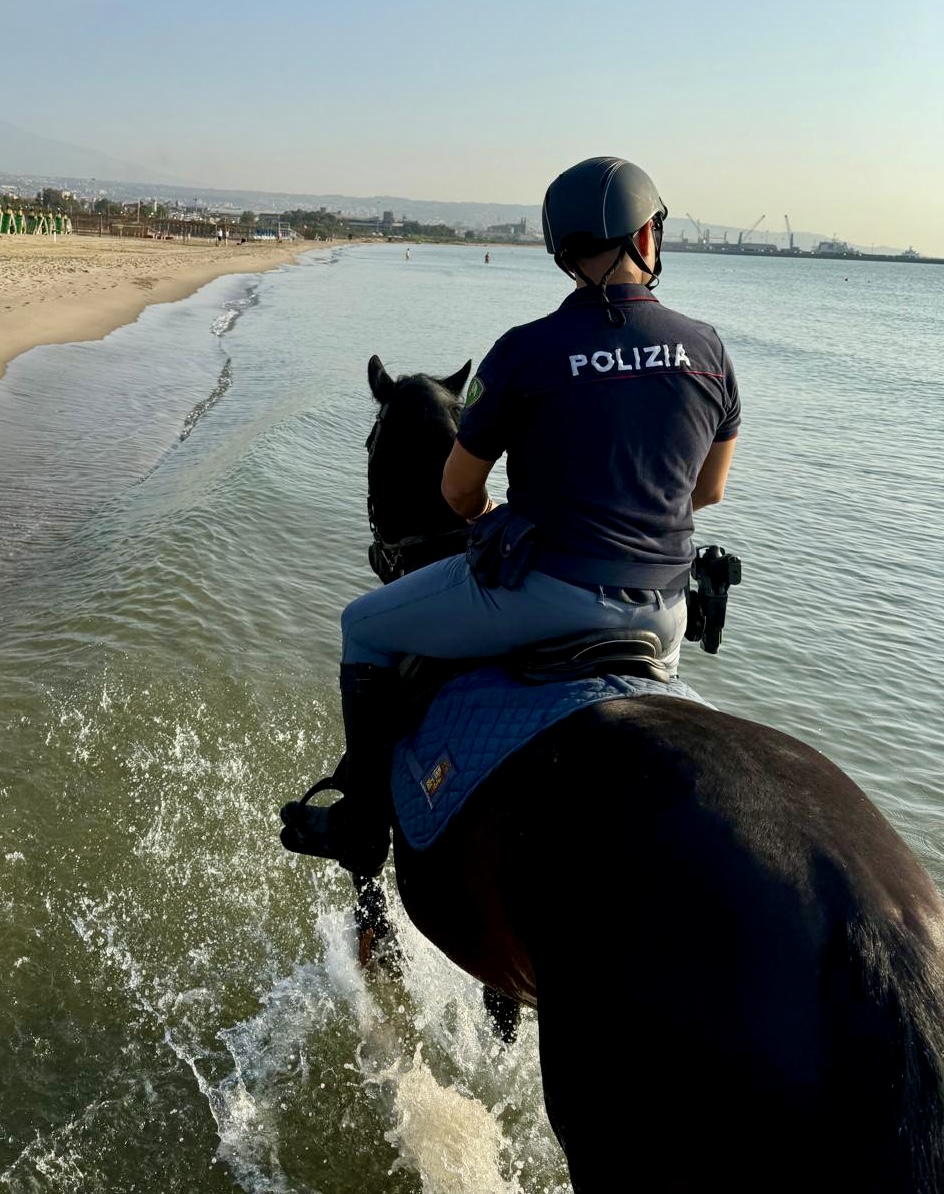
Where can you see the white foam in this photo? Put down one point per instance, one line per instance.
(449, 1137)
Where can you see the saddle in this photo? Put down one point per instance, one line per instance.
(604, 652)
(571, 657)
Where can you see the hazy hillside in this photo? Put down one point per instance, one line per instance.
(23, 153)
(28, 162)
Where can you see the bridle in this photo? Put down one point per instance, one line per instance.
(391, 560)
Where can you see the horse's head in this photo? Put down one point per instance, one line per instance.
(412, 435)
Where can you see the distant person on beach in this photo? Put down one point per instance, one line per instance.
(487, 258)
(219, 236)
(408, 254)
(619, 418)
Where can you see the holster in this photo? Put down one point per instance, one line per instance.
(501, 548)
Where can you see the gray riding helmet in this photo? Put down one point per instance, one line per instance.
(602, 198)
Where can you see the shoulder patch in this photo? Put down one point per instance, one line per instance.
(475, 391)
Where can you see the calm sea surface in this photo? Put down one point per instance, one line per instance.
(182, 518)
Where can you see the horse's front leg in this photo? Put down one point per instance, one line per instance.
(375, 937)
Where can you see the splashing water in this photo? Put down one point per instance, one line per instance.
(240, 1045)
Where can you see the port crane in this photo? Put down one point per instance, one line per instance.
(742, 236)
(786, 220)
(702, 235)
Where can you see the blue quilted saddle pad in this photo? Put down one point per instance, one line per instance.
(475, 722)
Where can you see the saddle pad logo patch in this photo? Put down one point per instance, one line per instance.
(437, 778)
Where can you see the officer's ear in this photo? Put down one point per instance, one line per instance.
(644, 238)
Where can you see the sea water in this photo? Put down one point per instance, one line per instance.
(182, 519)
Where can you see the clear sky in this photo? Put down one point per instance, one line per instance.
(831, 113)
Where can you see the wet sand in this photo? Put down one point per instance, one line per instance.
(71, 288)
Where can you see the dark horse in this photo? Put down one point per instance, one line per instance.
(736, 962)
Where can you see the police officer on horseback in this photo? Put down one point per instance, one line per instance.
(618, 417)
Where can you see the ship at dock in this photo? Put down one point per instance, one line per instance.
(746, 246)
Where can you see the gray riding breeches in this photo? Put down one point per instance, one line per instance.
(443, 611)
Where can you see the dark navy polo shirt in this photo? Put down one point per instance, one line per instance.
(606, 429)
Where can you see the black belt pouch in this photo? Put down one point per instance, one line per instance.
(501, 548)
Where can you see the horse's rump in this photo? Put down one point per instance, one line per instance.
(764, 946)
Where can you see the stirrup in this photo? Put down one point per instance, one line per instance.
(330, 783)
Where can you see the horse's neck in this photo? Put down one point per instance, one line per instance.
(409, 504)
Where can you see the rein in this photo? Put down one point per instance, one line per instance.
(390, 560)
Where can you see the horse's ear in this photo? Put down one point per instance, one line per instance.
(381, 383)
(455, 383)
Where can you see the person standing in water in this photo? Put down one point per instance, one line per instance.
(487, 258)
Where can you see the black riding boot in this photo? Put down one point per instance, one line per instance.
(355, 830)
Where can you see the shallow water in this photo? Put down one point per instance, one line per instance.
(182, 518)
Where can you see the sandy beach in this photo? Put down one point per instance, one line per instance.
(71, 288)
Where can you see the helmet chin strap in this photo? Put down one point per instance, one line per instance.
(628, 248)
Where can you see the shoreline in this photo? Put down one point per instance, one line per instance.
(71, 289)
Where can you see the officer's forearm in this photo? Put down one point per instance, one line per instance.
(470, 505)
(463, 483)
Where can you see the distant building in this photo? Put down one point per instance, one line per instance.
(508, 231)
(363, 227)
